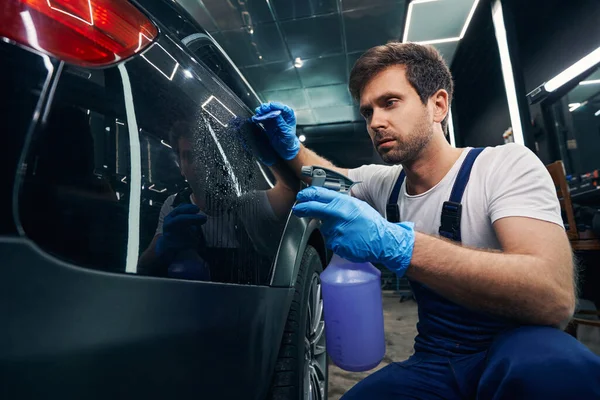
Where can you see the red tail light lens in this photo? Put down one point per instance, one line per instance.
(82, 32)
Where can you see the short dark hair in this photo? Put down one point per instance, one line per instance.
(426, 69)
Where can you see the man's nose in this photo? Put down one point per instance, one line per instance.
(378, 120)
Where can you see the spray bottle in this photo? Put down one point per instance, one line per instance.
(352, 301)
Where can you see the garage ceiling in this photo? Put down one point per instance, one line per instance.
(300, 52)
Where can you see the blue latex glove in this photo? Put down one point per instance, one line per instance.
(258, 147)
(356, 231)
(281, 129)
(181, 231)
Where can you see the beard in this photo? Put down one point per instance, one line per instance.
(408, 149)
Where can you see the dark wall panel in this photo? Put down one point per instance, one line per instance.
(480, 108)
(553, 34)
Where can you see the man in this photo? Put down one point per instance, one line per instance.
(490, 299)
(207, 231)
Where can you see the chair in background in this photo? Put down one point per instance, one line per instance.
(586, 312)
(580, 241)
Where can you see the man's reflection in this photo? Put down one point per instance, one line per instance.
(207, 232)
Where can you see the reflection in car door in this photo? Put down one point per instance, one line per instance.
(104, 166)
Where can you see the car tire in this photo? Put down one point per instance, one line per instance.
(301, 370)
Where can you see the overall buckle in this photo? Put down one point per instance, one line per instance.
(450, 224)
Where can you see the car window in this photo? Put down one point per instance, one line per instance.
(207, 53)
(125, 149)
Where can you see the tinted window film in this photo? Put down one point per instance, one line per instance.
(155, 169)
(68, 195)
(24, 77)
(208, 54)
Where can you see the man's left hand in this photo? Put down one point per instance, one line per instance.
(356, 231)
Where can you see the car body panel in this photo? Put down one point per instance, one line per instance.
(74, 332)
(78, 333)
(299, 233)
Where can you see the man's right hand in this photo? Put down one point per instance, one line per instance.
(281, 129)
(181, 230)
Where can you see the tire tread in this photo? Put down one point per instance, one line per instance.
(285, 378)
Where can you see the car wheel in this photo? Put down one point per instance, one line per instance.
(301, 368)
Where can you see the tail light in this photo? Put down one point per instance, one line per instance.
(89, 33)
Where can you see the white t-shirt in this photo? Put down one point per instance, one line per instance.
(218, 230)
(256, 216)
(506, 181)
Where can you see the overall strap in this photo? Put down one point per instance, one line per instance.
(392, 211)
(452, 209)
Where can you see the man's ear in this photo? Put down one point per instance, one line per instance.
(441, 106)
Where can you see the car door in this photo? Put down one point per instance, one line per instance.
(81, 317)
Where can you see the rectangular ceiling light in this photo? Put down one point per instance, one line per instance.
(159, 58)
(597, 113)
(468, 21)
(436, 41)
(573, 71)
(444, 40)
(219, 111)
(507, 72)
(409, 15)
(591, 82)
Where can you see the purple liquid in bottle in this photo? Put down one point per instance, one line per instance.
(353, 314)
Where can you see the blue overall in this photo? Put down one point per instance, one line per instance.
(465, 354)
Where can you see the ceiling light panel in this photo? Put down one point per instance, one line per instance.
(592, 82)
(434, 20)
(573, 71)
(447, 50)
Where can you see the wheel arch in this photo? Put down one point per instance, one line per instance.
(298, 234)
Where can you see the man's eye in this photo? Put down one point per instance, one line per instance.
(366, 114)
(390, 103)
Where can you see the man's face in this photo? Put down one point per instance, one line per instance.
(399, 124)
(192, 166)
(186, 159)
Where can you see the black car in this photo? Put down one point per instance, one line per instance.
(114, 114)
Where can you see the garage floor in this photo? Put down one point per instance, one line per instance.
(400, 331)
